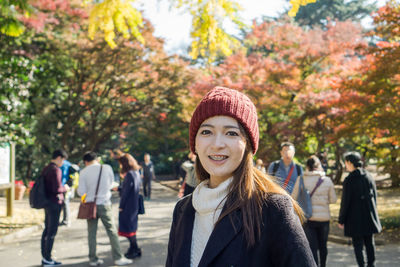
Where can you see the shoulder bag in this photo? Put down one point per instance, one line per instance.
(88, 210)
(304, 199)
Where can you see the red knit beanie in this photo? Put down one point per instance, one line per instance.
(222, 101)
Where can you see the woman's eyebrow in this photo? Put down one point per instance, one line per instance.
(207, 125)
(226, 126)
(231, 126)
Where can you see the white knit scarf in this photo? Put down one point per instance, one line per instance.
(208, 203)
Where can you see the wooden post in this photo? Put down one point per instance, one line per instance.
(11, 190)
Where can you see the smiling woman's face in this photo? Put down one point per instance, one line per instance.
(220, 146)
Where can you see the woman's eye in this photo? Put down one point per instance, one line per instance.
(232, 133)
(205, 132)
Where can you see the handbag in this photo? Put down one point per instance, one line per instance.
(141, 204)
(88, 210)
(304, 200)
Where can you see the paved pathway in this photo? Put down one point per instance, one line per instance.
(343, 256)
(71, 243)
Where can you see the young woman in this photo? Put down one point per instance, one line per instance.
(323, 194)
(236, 216)
(358, 214)
(129, 203)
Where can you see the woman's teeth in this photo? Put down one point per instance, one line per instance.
(218, 157)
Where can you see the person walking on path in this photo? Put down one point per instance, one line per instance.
(65, 170)
(87, 185)
(129, 203)
(358, 214)
(148, 175)
(286, 171)
(322, 156)
(322, 193)
(55, 193)
(236, 216)
(190, 180)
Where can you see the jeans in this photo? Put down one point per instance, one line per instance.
(147, 187)
(104, 213)
(51, 220)
(358, 244)
(65, 207)
(317, 235)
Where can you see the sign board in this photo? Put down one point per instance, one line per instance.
(5, 163)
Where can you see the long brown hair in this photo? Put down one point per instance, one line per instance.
(128, 162)
(248, 192)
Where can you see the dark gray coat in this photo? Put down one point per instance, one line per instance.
(129, 203)
(282, 242)
(358, 210)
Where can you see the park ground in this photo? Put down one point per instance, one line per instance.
(20, 242)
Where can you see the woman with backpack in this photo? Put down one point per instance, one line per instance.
(322, 194)
(236, 216)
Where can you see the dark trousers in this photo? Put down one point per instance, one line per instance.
(147, 187)
(133, 246)
(65, 208)
(358, 244)
(51, 220)
(317, 235)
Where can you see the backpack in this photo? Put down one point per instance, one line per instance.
(276, 167)
(304, 198)
(37, 197)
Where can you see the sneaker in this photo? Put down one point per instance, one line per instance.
(96, 263)
(68, 224)
(122, 261)
(46, 263)
(134, 254)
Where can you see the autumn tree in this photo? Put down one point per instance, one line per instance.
(372, 97)
(82, 92)
(292, 76)
(16, 71)
(318, 13)
(110, 18)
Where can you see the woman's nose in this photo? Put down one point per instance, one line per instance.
(219, 141)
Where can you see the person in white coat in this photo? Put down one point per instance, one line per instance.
(322, 194)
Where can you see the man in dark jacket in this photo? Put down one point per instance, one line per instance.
(55, 193)
(147, 175)
(358, 213)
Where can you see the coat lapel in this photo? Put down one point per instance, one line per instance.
(185, 228)
(221, 236)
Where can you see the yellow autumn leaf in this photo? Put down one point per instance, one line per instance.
(13, 29)
(296, 5)
(209, 39)
(111, 15)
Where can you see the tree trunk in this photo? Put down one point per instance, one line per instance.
(395, 167)
(28, 175)
(338, 165)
